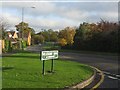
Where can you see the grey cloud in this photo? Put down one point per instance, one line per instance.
(57, 15)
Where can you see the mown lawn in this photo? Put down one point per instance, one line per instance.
(24, 70)
(90, 52)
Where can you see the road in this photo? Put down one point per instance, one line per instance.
(108, 64)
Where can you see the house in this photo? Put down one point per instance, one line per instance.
(26, 37)
(14, 36)
(29, 39)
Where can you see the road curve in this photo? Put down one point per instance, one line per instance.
(108, 64)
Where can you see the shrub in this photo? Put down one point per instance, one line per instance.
(24, 44)
(8, 46)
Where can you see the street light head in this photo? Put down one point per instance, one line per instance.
(32, 7)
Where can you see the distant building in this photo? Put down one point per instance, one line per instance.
(14, 36)
(26, 36)
(29, 39)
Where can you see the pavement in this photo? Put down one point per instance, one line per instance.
(106, 63)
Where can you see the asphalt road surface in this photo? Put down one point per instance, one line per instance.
(108, 64)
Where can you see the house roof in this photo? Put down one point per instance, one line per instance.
(11, 32)
(25, 35)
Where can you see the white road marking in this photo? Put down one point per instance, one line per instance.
(116, 75)
(106, 72)
(113, 77)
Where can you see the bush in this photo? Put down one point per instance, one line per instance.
(24, 44)
(15, 46)
(103, 37)
(8, 46)
(3, 51)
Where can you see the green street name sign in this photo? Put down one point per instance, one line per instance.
(48, 55)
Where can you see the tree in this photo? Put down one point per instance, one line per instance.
(3, 27)
(102, 36)
(53, 35)
(38, 39)
(45, 34)
(62, 42)
(67, 35)
(24, 29)
(24, 32)
(50, 35)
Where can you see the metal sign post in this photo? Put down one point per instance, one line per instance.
(52, 66)
(48, 55)
(43, 69)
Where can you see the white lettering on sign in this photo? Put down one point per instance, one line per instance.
(47, 55)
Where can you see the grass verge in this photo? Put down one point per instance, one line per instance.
(90, 52)
(24, 70)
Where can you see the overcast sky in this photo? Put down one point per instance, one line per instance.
(58, 15)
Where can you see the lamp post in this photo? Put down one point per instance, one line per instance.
(22, 27)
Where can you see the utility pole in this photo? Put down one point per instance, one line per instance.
(22, 28)
(21, 32)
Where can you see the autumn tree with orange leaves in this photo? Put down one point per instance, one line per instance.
(66, 36)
